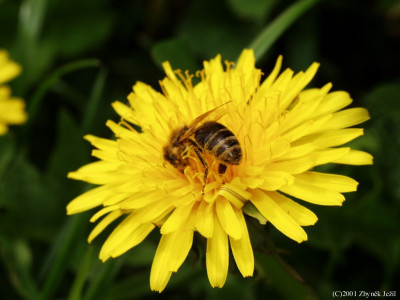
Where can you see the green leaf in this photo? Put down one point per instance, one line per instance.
(177, 52)
(250, 210)
(45, 32)
(30, 53)
(7, 153)
(38, 96)
(86, 32)
(132, 287)
(142, 255)
(17, 257)
(71, 150)
(382, 131)
(252, 9)
(383, 101)
(214, 31)
(32, 15)
(26, 201)
(235, 287)
(279, 276)
(263, 42)
(359, 223)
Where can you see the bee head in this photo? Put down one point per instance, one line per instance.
(173, 155)
(174, 150)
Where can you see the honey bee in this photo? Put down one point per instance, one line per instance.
(203, 136)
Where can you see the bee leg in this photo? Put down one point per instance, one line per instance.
(221, 168)
(203, 162)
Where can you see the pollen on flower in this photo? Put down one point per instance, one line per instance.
(196, 170)
(210, 153)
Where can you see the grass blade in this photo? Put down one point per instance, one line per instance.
(274, 30)
(82, 274)
(94, 100)
(55, 266)
(102, 279)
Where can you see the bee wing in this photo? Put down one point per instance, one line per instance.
(213, 114)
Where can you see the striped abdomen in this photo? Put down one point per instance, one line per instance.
(219, 141)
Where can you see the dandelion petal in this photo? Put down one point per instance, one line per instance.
(217, 259)
(241, 248)
(277, 216)
(228, 219)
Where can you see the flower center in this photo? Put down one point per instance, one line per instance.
(205, 170)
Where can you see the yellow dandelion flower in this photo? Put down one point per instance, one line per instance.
(275, 132)
(11, 108)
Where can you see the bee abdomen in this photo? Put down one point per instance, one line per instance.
(207, 132)
(220, 141)
(229, 151)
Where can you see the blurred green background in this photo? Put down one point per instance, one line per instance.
(79, 56)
